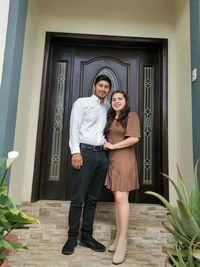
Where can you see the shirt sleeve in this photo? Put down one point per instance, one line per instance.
(75, 123)
(133, 125)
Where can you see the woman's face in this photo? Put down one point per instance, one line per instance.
(118, 102)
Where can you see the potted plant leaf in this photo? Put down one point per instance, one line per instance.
(11, 215)
(183, 223)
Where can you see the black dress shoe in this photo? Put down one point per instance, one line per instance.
(93, 244)
(69, 246)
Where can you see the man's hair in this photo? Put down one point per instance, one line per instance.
(103, 77)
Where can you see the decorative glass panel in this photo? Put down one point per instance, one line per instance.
(56, 142)
(148, 125)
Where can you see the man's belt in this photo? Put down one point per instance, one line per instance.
(90, 147)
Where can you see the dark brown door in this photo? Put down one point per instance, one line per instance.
(70, 71)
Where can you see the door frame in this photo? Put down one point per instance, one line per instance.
(108, 41)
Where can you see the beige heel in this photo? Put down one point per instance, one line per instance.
(120, 252)
(113, 246)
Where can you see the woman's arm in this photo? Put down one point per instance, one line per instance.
(125, 143)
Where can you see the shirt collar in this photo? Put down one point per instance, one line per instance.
(96, 99)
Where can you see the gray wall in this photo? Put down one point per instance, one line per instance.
(11, 73)
(195, 51)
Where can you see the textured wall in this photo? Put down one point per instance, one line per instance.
(11, 73)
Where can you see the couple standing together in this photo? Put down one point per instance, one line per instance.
(93, 133)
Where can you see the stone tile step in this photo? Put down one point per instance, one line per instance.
(49, 255)
(54, 210)
(145, 221)
(45, 240)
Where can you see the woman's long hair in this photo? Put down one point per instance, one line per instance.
(123, 116)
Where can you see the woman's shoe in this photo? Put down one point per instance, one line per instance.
(113, 246)
(120, 252)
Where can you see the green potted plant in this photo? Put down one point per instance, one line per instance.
(11, 215)
(183, 222)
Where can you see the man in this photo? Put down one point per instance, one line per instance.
(89, 162)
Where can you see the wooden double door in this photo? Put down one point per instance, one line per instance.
(71, 64)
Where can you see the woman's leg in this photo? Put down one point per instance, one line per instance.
(123, 214)
(113, 246)
(117, 219)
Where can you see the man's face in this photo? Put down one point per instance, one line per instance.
(102, 89)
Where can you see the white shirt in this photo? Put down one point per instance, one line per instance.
(87, 123)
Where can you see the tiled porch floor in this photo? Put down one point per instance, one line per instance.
(45, 241)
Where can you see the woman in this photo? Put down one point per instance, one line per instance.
(122, 132)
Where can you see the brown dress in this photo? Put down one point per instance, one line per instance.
(122, 173)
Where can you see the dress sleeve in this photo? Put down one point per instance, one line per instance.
(133, 125)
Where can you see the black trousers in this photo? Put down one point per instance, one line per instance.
(87, 186)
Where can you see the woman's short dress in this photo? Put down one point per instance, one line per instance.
(122, 173)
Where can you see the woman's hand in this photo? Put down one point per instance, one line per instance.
(129, 141)
(108, 145)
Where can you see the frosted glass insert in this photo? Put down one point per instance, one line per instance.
(58, 121)
(148, 125)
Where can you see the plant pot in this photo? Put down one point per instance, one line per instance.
(11, 238)
(167, 263)
(5, 263)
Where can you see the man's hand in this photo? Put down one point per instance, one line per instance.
(77, 161)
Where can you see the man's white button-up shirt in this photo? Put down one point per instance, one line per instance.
(87, 123)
